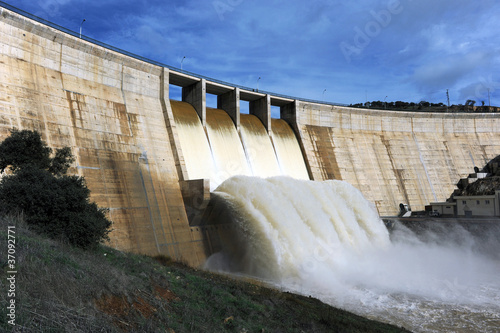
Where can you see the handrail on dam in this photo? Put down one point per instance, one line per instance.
(153, 62)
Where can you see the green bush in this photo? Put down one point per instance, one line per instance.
(53, 204)
(25, 148)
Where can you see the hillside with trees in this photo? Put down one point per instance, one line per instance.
(424, 106)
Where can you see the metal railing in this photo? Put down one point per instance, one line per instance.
(153, 62)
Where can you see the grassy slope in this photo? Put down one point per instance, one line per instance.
(63, 289)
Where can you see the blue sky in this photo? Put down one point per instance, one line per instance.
(406, 50)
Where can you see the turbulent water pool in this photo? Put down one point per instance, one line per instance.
(325, 240)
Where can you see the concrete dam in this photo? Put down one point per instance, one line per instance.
(154, 161)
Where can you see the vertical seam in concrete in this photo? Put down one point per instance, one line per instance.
(151, 217)
(374, 169)
(396, 171)
(136, 243)
(42, 111)
(423, 164)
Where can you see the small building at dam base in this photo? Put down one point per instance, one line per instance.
(478, 195)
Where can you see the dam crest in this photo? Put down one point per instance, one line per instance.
(154, 161)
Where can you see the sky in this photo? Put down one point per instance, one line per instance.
(337, 51)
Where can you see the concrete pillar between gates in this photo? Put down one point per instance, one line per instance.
(164, 84)
(261, 108)
(230, 102)
(288, 113)
(196, 95)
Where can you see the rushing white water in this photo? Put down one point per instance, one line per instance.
(227, 150)
(197, 152)
(217, 152)
(258, 147)
(324, 239)
(288, 151)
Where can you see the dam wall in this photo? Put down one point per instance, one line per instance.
(113, 112)
(395, 157)
(129, 138)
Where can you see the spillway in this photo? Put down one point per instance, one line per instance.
(220, 152)
(325, 239)
(196, 150)
(258, 147)
(229, 156)
(288, 151)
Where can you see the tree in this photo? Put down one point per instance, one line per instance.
(425, 104)
(26, 148)
(470, 102)
(53, 204)
(61, 161)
